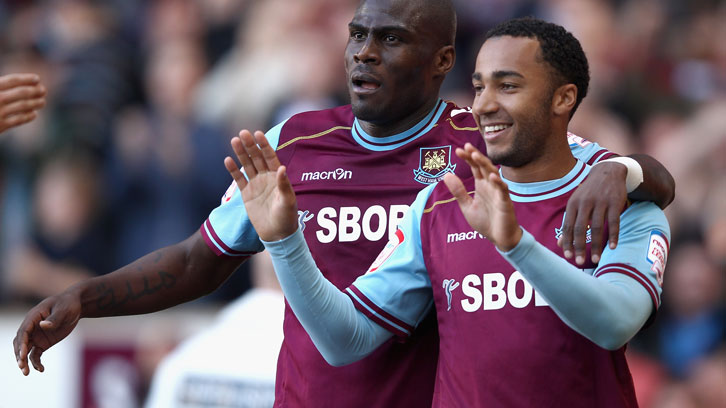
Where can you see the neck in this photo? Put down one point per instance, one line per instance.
(553, 162)
(395, 126)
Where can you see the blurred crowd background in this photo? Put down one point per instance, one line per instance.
(144, 95)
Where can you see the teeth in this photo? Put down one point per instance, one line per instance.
(495, 128)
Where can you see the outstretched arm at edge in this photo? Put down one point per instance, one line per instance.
(340, 332)
(161, 279)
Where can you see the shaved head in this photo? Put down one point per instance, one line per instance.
(436, 17)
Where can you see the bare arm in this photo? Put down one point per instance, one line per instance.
(161, 279)
(602, 197)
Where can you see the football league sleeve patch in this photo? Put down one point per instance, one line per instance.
(642, 250)
(587, 151)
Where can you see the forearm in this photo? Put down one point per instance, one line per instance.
(608, 310)
(341, 333)
(658, 185)
(162, 279)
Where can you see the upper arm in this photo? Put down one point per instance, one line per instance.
(203, 262)
(642, 250)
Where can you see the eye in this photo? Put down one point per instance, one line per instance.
(507, 86)
(477, 88)
(389, 38)
(357, 35)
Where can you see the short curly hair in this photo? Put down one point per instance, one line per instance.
(559, 48)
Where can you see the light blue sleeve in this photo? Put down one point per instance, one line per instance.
(585, 150)
(341, 333)
(396, 290)
(610, 306)
(228, 231)
(339, 328)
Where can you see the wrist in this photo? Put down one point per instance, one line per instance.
(634, 172)
(509, 244)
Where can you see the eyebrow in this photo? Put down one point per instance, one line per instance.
(497, 75)
(387, 28)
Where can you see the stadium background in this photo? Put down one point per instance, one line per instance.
(144, 96)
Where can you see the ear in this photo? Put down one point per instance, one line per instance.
(564, 99)
(444, 60)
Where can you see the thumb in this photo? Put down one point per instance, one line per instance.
(49, 322)
(457, 189)
(46, 324)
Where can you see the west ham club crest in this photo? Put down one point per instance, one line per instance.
(433, 164)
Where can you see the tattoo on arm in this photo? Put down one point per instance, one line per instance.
(107, 299)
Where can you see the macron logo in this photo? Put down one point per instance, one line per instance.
(337, 174)
(463, 236)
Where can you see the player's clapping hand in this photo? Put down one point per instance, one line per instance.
(266, 192)
(21, 95)
(489, 210)
(45, 325)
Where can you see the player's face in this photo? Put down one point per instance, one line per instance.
(513, 100)
(389, 61)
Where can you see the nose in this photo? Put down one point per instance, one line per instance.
(368, 53)
(485, 103)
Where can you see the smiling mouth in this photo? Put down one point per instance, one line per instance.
(496, 128)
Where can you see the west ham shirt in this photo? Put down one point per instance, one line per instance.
(353, 190)
(500, 342)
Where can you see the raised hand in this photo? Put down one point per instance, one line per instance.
(21, 95)
(489, 210)
(45, 325)
(266, 192)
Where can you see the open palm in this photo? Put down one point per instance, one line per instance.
(488, 209)
(266, 191)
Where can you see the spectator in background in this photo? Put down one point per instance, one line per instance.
(233, 362)
(297, 57)
(694, 325)
(66, 243)
(164, 168)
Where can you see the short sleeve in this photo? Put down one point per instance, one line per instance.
(228, 230)
(587, 151)
(396, 291)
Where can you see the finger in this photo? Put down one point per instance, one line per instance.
(501, 187)
(21, 93)
(596, 225)
(566, 238)
(235, 172)
(484, 162)
(613, 226)
(13, 80)
(580, 231)
(475, 168)
(244, 159)
(17, 120)
(268, 153)
(463, 154)
(20, 346)
(457, 189)
(22, 107)
(35, 355)
(253, 152)
(283, 183)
